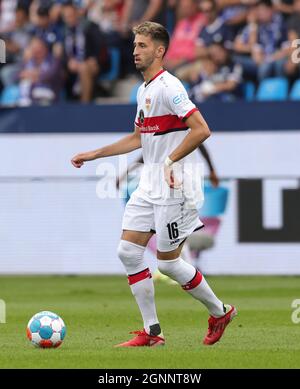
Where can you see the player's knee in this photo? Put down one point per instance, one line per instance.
(130, 254)
(167, 267)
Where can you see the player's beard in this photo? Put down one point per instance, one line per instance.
(143, 66)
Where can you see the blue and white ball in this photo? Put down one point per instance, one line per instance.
(46, 330)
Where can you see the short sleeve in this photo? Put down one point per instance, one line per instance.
(137, 116)
(178, 102)
(136, 121)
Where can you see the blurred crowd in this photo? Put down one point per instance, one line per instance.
(61, 49)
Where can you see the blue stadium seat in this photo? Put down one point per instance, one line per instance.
(272, 89)
(10, 95)
(249, 91)
(115, 61)
(133, 93)
(295, 91)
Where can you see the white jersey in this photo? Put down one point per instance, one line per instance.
(163, 107)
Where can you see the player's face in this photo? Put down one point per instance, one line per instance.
(145, 52)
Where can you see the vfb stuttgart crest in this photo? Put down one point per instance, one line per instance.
(148, 103)
(141, 116)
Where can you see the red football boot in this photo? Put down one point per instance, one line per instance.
(217, 325)
(143, 340)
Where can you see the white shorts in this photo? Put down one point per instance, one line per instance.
(171, 223)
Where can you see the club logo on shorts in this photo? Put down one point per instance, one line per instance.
(141, 116)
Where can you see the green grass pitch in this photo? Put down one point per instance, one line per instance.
(100, 311)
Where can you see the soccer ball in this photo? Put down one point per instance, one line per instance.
(46, 329)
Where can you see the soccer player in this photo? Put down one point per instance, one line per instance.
(168, 128)
(185, 253)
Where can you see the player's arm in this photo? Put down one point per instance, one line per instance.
(125, 145)
(198, 134)
(203, 150)
(212, 173)
(151, 12)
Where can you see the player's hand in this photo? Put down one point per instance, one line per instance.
(79, 159)
(213, 178)
(170, 177)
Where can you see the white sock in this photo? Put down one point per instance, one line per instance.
(193, 282)
(141, 283)
(204, 293)
(142, 288)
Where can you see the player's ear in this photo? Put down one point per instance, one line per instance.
(160, 51)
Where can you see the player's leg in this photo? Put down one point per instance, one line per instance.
(177, 225)
(137, 225)
(172, 264)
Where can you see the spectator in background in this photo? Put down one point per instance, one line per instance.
(95, 10)
(16, 42)
(286, 7)
(183, 40)
(215, 31)
(137, 12)
(56, 12)
(54, 6)
(134, 13)
(85, 52)
(234, 13)
(40, 78)
(108, 15)
(291, 65)
(261, 42)
(220, 78)
(7, 15)
(49, 32)
(171, 15)
(36, 4)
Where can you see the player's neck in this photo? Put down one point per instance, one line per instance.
(151, 72)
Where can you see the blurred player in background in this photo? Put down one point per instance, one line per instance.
(168, 128)
(203, 150)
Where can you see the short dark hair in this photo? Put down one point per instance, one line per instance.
(43, 11)
(157, 32)
(21, 7)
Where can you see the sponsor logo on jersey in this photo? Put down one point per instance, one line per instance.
(141, 116)
(150, 128)
(178, 99)
(174, 241)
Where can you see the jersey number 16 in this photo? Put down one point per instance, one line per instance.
(173, 230)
